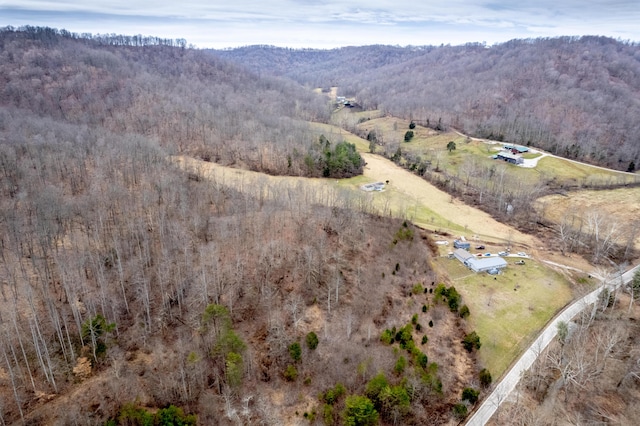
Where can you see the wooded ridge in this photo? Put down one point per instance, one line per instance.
(577, 97)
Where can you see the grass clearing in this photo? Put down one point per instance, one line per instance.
(622, 205)
(432, 145)
(508, 320)
(568, 172)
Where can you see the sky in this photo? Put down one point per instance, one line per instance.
(332, 23)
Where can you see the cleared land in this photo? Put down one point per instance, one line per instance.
(509, 309)
(622, 204)
(432, 145)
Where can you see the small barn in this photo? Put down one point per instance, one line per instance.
(461, 244)
(482, 264)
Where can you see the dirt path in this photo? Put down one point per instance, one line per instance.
(416, 188)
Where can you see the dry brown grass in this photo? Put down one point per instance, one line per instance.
(622, 204)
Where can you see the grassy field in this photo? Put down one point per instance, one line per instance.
(432, 145)
(508, 310)
(572, 173)
(411, 197)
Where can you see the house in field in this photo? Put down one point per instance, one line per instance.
(509, 157)
(485, 264)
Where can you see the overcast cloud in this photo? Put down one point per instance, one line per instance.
(332, 23)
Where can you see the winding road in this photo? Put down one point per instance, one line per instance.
(502, 390)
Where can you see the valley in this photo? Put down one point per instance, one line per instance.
(186, 233)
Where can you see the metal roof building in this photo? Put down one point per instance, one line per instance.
(481, 264)
(462, 255)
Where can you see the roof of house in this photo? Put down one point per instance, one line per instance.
(484, 263)
(462, 254)
(520, 149)
(506, 154)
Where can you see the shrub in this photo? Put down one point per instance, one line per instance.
(412, 125)
(401, 363)
(422, 360)
(295, 351)
(311, 416)
(418, 327)
(453, 299)
(417, 289)
(430, 323)
(359, 411)
(403, 336)
(460, 411)
(395, 402)
(464, 311)
(404, 233)
(470, 394)
(327, 414)
(408, 135)
(375, 386)
(291, 373)
(440, 293)
(312, 340)
(424, 308)
(425, 339)
(485, 378)
(387, 337)
(471, 341)
(414, 319)
(171, 415)
(332, 395)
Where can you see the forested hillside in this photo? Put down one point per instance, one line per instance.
(189, 101)
(133, 289)
(576, 97)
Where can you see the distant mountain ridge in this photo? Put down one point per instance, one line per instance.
(578, 97)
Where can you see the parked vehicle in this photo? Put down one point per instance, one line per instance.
(520, 262)
(503, 253)
(521, 253)
(480, 247)
(487, 254)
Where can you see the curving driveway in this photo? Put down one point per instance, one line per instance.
(502, 389)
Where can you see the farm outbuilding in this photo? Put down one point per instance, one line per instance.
(461, 244)
(483, 264)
